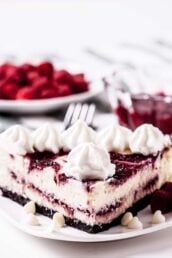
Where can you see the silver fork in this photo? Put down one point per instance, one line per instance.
(77, 111)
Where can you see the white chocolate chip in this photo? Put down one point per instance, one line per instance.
(58, 220)
(126, 218)
(158, 217)
(32, 220)
(30, 207)
(135, 223)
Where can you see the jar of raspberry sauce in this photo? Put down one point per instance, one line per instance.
(139, 105)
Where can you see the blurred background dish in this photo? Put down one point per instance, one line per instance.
(32, 87)
(28, 81)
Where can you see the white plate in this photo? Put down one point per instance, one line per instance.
(46, 105)
(14, 213)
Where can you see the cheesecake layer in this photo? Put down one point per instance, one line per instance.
(141, 204)
(94, 203)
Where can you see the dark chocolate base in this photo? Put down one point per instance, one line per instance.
(74, 222)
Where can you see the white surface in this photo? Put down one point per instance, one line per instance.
(69, 25)
(66, 27)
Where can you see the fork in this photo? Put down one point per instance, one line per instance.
(77, 111)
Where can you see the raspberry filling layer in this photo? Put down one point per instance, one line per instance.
(127, 165)
(105, 211)
(41, 160)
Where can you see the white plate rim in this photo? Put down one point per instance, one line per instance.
(82, 236)
(51, 103)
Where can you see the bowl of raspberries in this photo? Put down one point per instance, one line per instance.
(40, 87)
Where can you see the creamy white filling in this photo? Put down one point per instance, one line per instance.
(10, 164)
(74, 194)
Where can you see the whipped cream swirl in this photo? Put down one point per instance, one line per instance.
(47, 138)
(17, 140)
(147, 139)
(88, 161)
(115, 138)
(76, 134)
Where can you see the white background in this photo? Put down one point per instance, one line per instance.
(67, 27)
(71, 25)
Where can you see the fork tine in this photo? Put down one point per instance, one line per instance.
(90, 114)
(68, 116)
(84, 111)
(76, 113)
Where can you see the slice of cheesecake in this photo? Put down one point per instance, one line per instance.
(82, 175)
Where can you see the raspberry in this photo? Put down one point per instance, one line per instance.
(160, 93)
(9, 90)
(32, 76)
(80, 87)
(29, 82)
(12, 73)
(2, 73)
(62, 76)
(27, 67)
(79, 77)
(80, 84)
(46, 69)
(6, 67)
(64, 90)
(48, 93)
(160, 201)
(9, 70)
(25, 93)
(167, 187)
(41, 83)
(2, 95)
